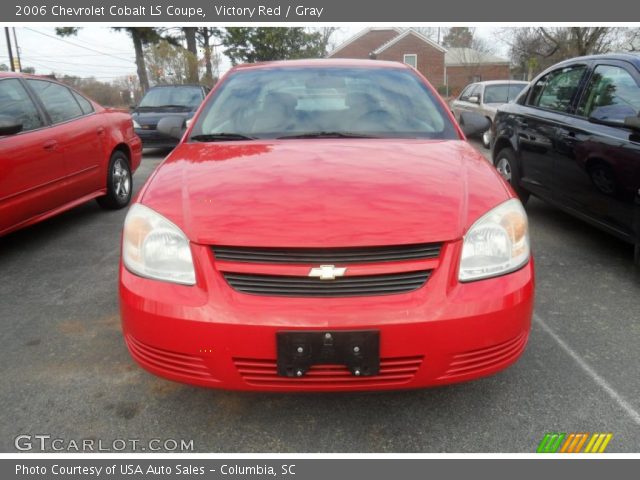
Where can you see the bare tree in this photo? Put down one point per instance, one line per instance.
(140, 36)
(205, 36)
(326, 34)
(533, 49)
(630, 40)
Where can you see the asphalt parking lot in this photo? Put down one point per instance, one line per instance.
(67, 373)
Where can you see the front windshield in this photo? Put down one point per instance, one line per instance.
(502, 93)
(172, 96)
(290, 102)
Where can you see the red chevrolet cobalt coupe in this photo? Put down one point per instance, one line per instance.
(324, 225)
(59, 149)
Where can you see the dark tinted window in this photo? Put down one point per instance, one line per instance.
(612, 94)
(269, 103)
(557, 89)
(16, 103)
(58, 100)
(85, 105)
(172, 96)
(502, 93)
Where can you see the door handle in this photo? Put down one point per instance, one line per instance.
(567, 135)
(100, 130)
(50, 145)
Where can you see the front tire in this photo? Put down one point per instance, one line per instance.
(507, 165)
(486, 138)
(119, 183)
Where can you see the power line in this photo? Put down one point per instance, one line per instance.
(29, 58)
(76, 45)
(58, 71)
(107, 49)
(75, 55)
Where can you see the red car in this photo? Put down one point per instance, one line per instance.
(59, 149)
(324, 225)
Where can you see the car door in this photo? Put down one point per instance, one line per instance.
(462, 103)
(543, 125)
(602, 180)
(32, 171)
(80, 135)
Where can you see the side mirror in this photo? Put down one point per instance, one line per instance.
(172, 126)
(474, 99)
(9, 125)
(633, 123)
(473, 123)
(132, 107)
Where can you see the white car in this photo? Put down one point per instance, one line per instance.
(485, 98)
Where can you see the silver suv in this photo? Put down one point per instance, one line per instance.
(485, 98)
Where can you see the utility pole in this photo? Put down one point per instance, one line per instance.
(15, 42)
(6, 32)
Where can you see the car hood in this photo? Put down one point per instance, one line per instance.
(324, 192)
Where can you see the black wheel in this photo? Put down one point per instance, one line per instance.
(507, 165)
(118, 183)
(603, 177)
(486, 139)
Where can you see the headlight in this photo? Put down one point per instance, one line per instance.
(496, 244)
(154, 247)
(136, 124)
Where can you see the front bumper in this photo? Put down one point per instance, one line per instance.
(213, 336)
(151, 138)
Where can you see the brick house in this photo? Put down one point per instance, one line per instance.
(466, 65)
(447, 70)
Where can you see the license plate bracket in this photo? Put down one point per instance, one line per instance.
(358, 350)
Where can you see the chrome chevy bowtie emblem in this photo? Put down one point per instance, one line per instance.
(327, 272)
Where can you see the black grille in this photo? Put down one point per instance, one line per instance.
(331, 256)
(286, 286)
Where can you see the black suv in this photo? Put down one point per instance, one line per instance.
(165, 101)
(572, 138)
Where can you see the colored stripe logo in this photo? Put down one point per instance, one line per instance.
(574, 443)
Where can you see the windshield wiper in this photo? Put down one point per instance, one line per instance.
(220, 137)
(327, 134)
(155, 107)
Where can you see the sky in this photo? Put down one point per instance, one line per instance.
(103, 53)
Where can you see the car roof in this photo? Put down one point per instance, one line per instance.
(321, 62)
(25, 75)
(166, 85)
(501, 82)
(633, 58)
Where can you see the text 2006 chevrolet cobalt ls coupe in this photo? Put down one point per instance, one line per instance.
(324, 225)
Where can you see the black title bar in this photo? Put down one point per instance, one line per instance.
(306, 11)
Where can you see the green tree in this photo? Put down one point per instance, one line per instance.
(248, 44)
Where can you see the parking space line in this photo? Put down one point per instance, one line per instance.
(635, 416)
